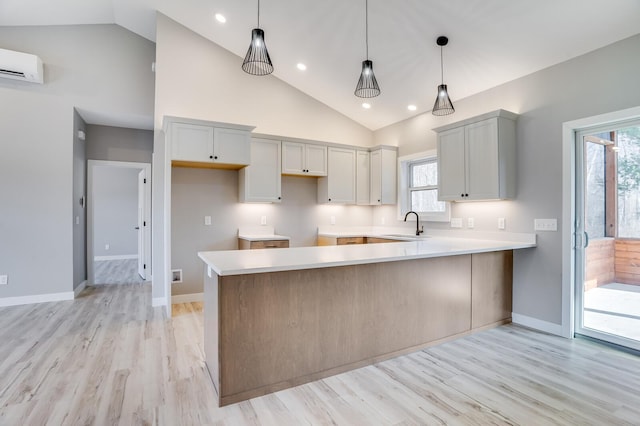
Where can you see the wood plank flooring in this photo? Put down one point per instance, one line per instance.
(109, 358)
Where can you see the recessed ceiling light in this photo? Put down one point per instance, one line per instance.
(301, 66)
(412, 108)
(366, 105)
(220, 18)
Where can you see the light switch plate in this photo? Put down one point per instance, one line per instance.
(501, 223)
(4, 279)
(263, 220)
(333, 220)
(207, 220)
(456, 222)
(545, 224)
(470, 222)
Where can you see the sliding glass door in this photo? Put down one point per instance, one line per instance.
(607, 236)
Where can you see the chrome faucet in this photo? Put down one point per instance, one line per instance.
(418, 230)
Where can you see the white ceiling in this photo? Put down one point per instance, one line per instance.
(490, 41)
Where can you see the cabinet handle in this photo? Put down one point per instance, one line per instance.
(378, 200)
(211, 156)
(466, 195)
(462, 195)
(329, 199)
(215, 158)
(279, 198)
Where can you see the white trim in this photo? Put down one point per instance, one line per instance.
(536, 324)
(79, 289)
(403, 204)
(187, 298)
(37, 298)
(569, 129)
(116, 257)
(158, 301)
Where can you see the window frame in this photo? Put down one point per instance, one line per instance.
(405, 164)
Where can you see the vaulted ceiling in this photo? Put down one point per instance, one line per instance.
(490, 41)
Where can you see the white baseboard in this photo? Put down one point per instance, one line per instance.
(158, 301)
(536, 324)
(187, 298)
(117, 257)
(79, 289)
(37, 298)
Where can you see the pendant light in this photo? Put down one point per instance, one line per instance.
(367, 84)
(443, 105)
(257, 60)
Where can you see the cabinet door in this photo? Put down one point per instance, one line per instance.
(388, 176)
(261, 180)
(375, 178)
(341, 177)
(231, 146)
(293, 158)
(191, 142)
(481, 145)
(362, 177)
(451, 165)
(316, 160)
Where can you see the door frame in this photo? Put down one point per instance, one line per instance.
(91, 165)
(569, 133)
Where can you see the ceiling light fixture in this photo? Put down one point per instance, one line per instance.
(301, 66)
(412, 107)
(366, 105)
(367, 84)
(220, 18)
(257, 60)
(443, 105)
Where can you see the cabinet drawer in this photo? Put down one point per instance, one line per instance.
(350, 240)
(269, 244)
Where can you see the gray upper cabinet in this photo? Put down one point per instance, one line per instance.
(383, 175)
(210, 143)
(304, 159)
(476, 158)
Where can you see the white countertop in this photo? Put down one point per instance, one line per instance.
(260, 233)
(238, 262)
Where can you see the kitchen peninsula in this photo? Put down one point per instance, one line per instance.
(274, 319)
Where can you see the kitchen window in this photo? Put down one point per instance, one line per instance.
(419, 188)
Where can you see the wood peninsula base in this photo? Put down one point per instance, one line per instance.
(266, 332)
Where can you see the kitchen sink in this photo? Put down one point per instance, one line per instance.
(405, 236)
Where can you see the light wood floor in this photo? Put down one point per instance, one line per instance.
(121, 271)
(109, 358)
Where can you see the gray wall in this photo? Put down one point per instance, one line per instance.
(196, 193)
(601, 81)
(119, 144)
(115, 206)
(79, 207)
(96, 68)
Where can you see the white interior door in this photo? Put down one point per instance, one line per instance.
(144, 245)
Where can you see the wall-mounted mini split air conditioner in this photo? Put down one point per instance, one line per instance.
(21, 66)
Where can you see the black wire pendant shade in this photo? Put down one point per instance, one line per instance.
(257, 60)
(367, 84)
(442, 105)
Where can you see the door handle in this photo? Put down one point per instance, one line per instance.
(137, 227)
(586, 239)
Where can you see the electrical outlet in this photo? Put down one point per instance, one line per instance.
(207, 220)
(382, 221)
(501, 223)
(263, 220)
(4, 279)
(470, 223)
(456, 222)
(545, 224)
(333, 220)
(107, 246)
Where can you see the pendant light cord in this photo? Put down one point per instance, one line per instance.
(441, 67)
(366, 25)
(258, 13)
